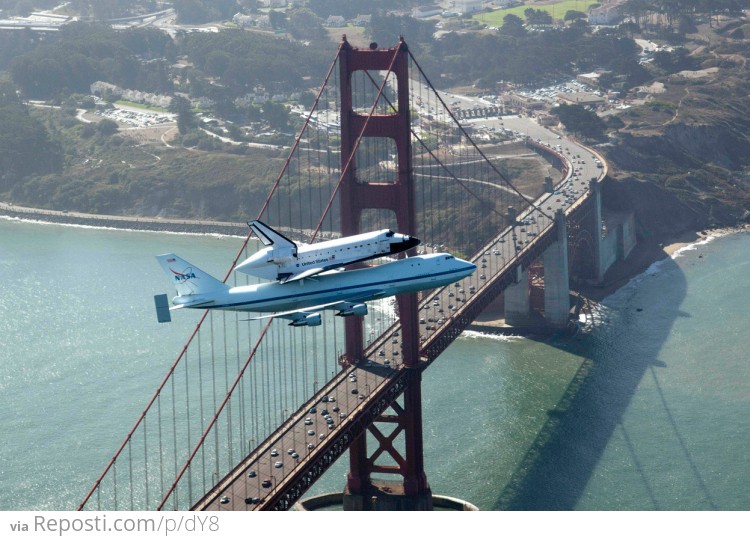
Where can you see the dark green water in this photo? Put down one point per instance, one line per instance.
(651, 411)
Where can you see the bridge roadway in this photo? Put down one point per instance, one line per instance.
(279, 471)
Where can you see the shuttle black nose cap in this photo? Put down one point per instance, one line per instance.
(411, 242)
(407, 243)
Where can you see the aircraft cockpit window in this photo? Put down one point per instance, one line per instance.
(447, 257)
(390, 233)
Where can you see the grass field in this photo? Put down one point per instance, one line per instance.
(144, 106)
(557, 10)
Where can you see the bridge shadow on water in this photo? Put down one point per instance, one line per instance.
(556, 469)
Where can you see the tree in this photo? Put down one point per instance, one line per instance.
(8, 91)
(277, 115)
(304, 24)
(573, 15)
(185, 116)
(107, 127)
(581, 121)
(513, 25)
(679, 59)
(25, 146)
(277, 19)
(537, 17)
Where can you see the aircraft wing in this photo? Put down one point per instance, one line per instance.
(311, 316)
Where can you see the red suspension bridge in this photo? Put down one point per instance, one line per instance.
(250, 415)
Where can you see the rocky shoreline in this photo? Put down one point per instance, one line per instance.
(125, 222)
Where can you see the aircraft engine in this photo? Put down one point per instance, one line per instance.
(358, 310)
(311, 320)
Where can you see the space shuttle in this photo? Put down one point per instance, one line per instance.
(284, 260)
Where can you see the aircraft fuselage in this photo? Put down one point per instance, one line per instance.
(402, 276)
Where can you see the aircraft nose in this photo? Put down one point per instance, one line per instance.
(468, 265)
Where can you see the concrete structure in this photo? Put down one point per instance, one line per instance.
(607, 14)
(584, 99)
(468, 6)
(556, 277)
(336, 21)
(523, 103)
(517, 300)
(327, 501)
(591, 79)
(422, 12)
(517, 297)
(243, 21)
(619, 238)
(361, 20)
(99, 88)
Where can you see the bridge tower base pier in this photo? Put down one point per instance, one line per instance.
(557, 277)
(387, 496)
(518, 301)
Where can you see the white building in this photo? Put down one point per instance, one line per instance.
(469, 6)
(507, 3)
(422, 12)
(336, 21)
(243, 21)
(608, 14)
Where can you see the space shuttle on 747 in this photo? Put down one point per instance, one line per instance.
(301, 301)
(285, 261)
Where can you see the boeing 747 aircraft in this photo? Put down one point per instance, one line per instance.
(301, 301)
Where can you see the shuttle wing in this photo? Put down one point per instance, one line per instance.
(304, 274)
(312, 272)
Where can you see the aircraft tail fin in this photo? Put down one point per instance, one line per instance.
(269, 236)
(187, 278)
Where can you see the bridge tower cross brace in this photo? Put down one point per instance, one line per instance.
(398, 196)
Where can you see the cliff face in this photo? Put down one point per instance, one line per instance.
(723, 145)
(658, 212)
(689, 178)
(682, 160)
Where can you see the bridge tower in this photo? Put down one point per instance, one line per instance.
(362, 491)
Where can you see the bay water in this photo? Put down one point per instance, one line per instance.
(648, 410)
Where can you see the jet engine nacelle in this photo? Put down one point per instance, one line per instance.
(313, 319)
(358, 310)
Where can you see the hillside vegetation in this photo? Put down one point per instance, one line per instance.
(689, 141)
(693, 139)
